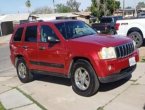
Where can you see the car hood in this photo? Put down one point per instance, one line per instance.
(103, 40)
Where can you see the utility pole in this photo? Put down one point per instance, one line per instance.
(123, 7)
(53, 6)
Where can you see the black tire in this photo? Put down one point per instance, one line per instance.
(112, 32)
(137, 37)
(28, 77)
(94, 84)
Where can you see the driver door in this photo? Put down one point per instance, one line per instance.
(51, 56)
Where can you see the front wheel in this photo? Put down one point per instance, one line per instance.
(84, 79)
(137, 37)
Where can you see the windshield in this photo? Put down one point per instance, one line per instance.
(74, 29)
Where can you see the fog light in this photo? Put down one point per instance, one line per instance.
(109, 67)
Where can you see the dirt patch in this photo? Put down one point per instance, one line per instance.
(142, 54)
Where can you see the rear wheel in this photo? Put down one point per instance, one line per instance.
(112, 32)
(137, 37)
(84, 79)
(23, 72)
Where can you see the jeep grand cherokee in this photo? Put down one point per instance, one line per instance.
(71, 49)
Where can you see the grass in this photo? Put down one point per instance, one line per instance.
(142, 59)
(1, 107)
(100, 108)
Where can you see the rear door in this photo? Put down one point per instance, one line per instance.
(16, 43)
(30, 50)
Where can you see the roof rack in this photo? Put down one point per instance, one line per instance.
(31, 21)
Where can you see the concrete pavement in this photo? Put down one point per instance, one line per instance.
(5, 39)
(54, 93)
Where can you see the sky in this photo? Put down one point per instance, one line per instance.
(15, 6)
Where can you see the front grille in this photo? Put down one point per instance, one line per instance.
(124, 50)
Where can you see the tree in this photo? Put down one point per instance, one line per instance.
(117, 5)
(104, 7)
(95, 8)
(42, 10)
(28, 4)
(74, 5)
(61, 8)
(140, 5)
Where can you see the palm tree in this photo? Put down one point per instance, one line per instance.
(28, 5)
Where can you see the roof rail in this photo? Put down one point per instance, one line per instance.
(31, 21)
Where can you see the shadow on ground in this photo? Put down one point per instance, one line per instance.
(113, 85)
(67, 82)
(53, 79)
(143, 44)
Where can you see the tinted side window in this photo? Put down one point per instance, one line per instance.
(31, 34)
(18, 34)
(46, 32)
(106, 20)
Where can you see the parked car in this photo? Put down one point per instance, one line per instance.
(107, 24)
(71, 49)
(141, 15)
(134, 28)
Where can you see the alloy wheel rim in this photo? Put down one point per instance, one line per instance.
(82, 79)
(136, 39)
(22, 70)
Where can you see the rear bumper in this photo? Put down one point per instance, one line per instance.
(118, 76)
(12, 60)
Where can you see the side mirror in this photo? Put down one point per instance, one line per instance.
(99, 32)
(53, 40)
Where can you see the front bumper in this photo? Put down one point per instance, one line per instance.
(118, 76)
(115, 69)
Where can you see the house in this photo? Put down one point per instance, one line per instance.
(84, 16)
(128, 13)
(54, 16)
(9, 21)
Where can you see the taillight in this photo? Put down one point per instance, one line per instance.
(117, 26)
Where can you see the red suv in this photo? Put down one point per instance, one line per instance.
(71, 49)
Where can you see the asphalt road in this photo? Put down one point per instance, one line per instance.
(6, 68)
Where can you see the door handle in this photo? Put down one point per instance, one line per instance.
(25, 47)
(42, 48)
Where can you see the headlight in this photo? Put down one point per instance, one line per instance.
(107, 53)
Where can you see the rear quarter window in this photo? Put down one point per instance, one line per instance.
(18, 35)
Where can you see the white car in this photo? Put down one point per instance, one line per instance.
(134, 28)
